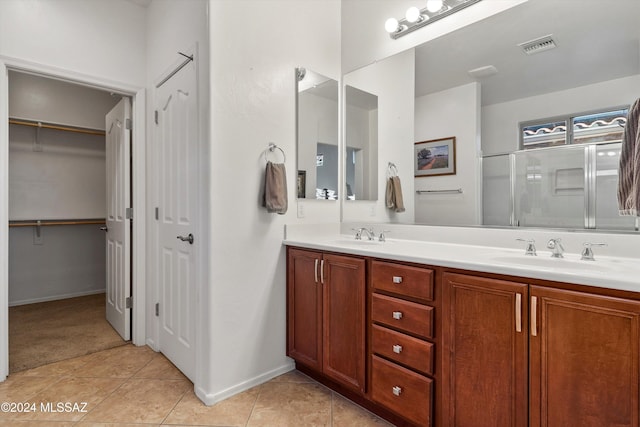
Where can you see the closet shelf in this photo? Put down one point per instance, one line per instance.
(43, 223)
(56, 127)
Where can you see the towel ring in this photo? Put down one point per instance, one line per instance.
(271, 149)
(392, 170)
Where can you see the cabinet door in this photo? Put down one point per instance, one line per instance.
(485, 352)
(304, 308)
(344, 320)
(584, 359)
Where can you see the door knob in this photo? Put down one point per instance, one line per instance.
(105, 229)
(188, 238)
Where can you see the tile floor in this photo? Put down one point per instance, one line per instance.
(132, 386)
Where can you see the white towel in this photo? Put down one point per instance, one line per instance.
(629, 169)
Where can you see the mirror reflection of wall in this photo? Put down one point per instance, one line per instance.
(317, 117)
(593, 66)
(361, 121)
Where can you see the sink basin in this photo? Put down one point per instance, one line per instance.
(554, 263)
(354, 242)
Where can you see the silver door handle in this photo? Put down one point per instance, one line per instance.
(188, 238)
(105, 229)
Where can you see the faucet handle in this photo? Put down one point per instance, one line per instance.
(382, 237)
(556, 246)
(587, 252)
(358, 233)
(531, 247)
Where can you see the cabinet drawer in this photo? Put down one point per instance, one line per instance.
(402, 279)
(405, 315)
(402, 391)
(409, 351)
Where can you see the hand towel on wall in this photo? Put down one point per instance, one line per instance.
(393, 195)
(629, 169)
(275, 188)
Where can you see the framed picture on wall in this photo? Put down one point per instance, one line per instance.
(435, 157)
(302, 184)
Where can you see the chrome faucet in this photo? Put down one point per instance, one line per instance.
(556, 247)
(531, 247)
(368, 231)
(587, 252)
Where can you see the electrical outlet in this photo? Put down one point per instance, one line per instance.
(300, 210)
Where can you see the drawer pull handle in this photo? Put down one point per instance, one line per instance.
(397, 315)
(397, 279)
(397, 390)
(397, 349)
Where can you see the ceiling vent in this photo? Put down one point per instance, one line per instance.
(538, 45)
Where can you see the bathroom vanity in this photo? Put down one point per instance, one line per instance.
(459, 339)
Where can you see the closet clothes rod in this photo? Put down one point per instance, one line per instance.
(56, 127)
(43, 223)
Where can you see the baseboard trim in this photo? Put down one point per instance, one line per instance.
(212, 398)
(55, 297)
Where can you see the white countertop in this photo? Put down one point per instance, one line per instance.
(605, 271)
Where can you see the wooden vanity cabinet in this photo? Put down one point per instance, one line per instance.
(485, 344)
(565, 358)
(584, 359)
(403, 344)
(326, 315)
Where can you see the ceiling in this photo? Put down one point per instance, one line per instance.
(596, 41)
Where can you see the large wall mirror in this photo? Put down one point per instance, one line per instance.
(317, 119)
(361, 159)
(482, 86)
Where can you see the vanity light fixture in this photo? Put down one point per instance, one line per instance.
(417, 18)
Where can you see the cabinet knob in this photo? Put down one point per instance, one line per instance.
(397, 349)
(397, 390)
(397, 315)
(397, 279)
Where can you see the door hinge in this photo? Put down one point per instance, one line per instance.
(128, 302)
(128, 213)
(127, 124)
(157, 309)
(157, 214)
(155, 116)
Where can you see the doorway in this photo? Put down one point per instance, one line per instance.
(58, 190)
(137, 95)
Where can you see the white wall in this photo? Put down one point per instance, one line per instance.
(252, 103)
(500, 122)
(98, 42)
(453, 112)
(392, 80)
(97, 38)
(364, 39)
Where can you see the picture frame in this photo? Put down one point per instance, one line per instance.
(435, 157)
(302, 184)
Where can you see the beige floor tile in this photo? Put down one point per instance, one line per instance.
(90, 424)
(77, 395)
(15, 423)
(292, 404)
(65, 367)
(347, 414)
(233, 411)
(140, 401)
(293, 377)
(160, 368)
(119, 362)
(21, 388)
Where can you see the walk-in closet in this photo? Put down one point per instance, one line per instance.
(57, 205)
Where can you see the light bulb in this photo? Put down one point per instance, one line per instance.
(413, 14)
(434, 5)
(391, 25)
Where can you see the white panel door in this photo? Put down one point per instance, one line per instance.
(177, 172)
(118, 228)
